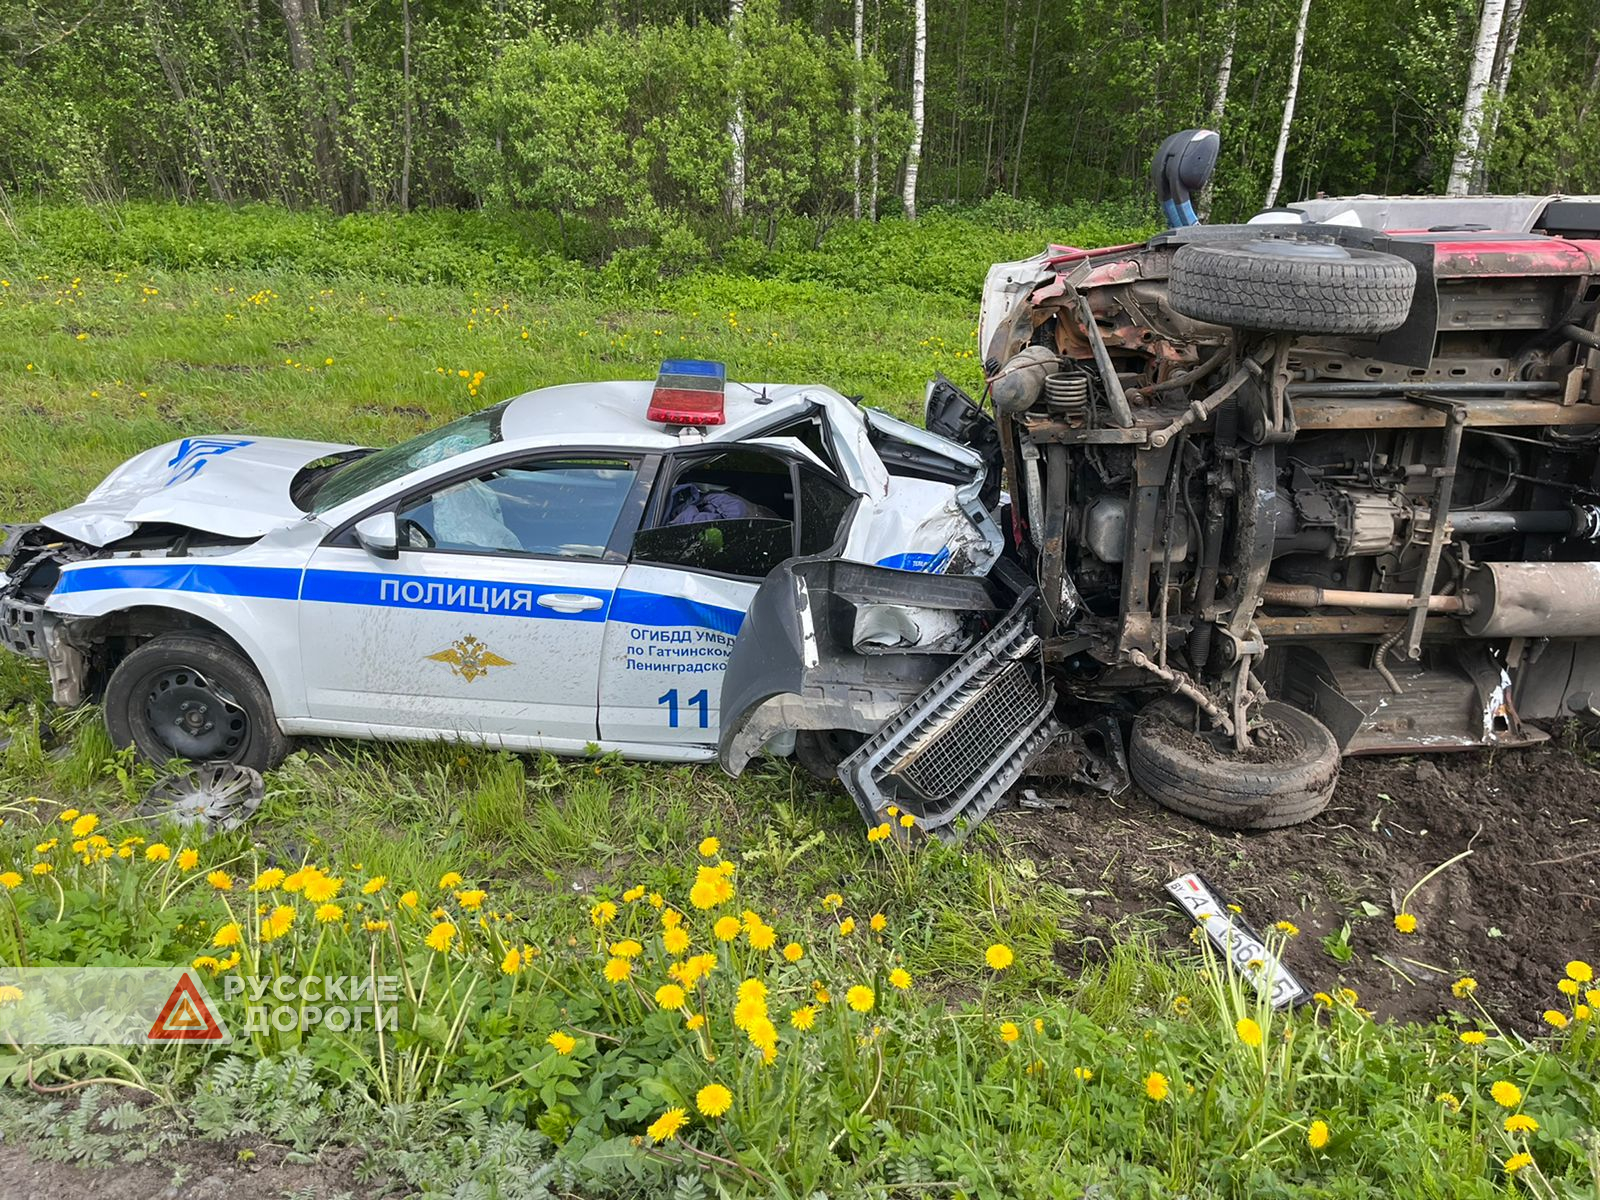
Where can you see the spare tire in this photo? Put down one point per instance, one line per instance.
(1297, 287)
(1288, 777)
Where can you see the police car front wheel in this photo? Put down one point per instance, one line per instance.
(190, 696)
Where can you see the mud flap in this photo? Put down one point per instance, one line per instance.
(957, 748)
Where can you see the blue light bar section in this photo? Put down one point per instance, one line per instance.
(702, 367)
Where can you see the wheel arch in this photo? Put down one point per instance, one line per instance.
(107, 637)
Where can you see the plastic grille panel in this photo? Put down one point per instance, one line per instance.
(947, 762)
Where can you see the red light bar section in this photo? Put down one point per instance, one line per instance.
(688, 391)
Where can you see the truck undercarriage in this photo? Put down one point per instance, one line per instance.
(1278, 494)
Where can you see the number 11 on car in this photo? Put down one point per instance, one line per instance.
(699, 700)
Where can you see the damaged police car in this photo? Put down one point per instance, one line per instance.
(564, 571)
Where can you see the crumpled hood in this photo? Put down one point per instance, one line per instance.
(233, 486)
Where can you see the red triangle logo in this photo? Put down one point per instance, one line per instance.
(186, 1016)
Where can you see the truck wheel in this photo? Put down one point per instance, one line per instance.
(186, 695)
(1286, 778)
(1297, 287)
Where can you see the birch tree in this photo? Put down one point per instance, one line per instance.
(1288, 103)
(919, 83)
(1498, 84)
(1219, 90)
(1470, 138)
(855, 116)
(736, 122)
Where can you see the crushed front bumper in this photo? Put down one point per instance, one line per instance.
(834, 645)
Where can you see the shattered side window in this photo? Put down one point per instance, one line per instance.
(747, 547)
(377, 470)
(823, 505)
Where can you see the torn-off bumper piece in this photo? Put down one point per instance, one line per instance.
(829, 644)
(960, 745)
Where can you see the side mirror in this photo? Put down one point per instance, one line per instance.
(379, 535)
(1182, 167)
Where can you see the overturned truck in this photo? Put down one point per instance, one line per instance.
(1319, 485)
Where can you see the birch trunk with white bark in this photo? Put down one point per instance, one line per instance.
(1288, 104)
(855, 117)
(1470, 138)
(919, 82)
(736, 123)
(1498, 84)
(1219, 90)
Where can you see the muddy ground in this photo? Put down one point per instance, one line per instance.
(1511, 914)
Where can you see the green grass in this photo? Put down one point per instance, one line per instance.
(195, 320)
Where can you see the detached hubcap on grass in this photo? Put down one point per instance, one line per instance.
(195, 718)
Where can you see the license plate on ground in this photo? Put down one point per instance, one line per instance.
(1236, 941)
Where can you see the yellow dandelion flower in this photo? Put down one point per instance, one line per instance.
(1317, 1135)
(1521, 1123)
(10, 880)
(762, 937)
(1506, 1094)
(157, 852)
(713, 1100)
(1555, 1017)
(603, 914)
(847, 927)
(374, 885)
(694, 1021)
(277, 923)
(710, 847)
(441, 936)
(804, 1017)
(832, 900)
(320, 888)
(669, 996)
(85, 825)
(228, 935)
(998, 956)
(1082, 1074)
(665, 1127)
(188, 859)
(512, 962)
(1580, 971)
(409, 900)
(1474, 1037)
(563, 1043)
(1156, 1086)
(633, 894)
(627, 948)
(327, 914)
(907, 820)
(42, 868)
(67, 816)
(727, 928)
(220, 880)
(1518, 1161)
(676, 940)
(1287, 928)
(1405, 922)
(879, 922)
(617, 969)
(1450, 1100)
(1248, 1031)
(900, 979)
(1009, 1031)
(1463, 987)
(860, 998)
(794, 952)
(449, 880)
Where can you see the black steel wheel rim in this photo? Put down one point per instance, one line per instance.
(194, 717)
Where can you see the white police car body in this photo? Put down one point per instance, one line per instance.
(558, 572)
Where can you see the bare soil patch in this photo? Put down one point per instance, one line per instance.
(1510, 915)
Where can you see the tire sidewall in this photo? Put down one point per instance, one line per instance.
(1225, 791)
(128, 724)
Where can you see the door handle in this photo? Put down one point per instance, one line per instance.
(569, 602)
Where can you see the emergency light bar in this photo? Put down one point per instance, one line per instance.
(688, 391)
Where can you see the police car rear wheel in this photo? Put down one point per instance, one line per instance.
(190, 696)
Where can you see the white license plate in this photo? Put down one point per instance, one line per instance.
(1234, 939)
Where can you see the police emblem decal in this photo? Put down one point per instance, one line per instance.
(469, 658)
